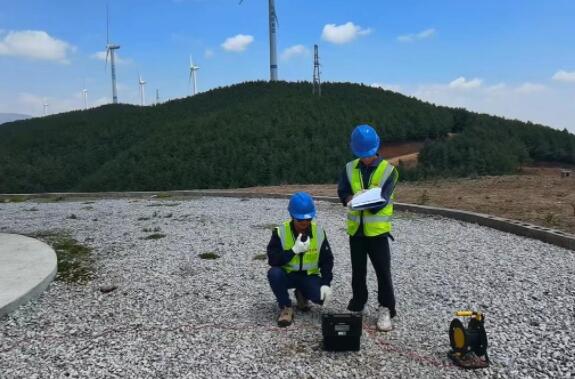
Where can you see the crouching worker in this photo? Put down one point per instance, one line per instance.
(301, 258)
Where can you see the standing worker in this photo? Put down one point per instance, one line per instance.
(304, 262)
(369, 229)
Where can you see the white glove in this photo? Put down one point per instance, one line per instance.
(324, 293)
(300, 247)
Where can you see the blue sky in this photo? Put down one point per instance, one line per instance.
(512, 58)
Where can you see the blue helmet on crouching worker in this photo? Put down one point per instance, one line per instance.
(301, 206)
(364, 141)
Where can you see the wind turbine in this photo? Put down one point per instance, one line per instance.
(193, 76)
(273, 20)
(110, 48)
(85, 95)
(142, 83)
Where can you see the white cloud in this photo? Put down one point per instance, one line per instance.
(389, 87)
(35, 44)
(496, 88)
(209, 53)
(120, 87)
(101, 55)
(462, 83)
(564, 76)
(340, 34)
(427, 33)
(527, 101)
(294, 51)
(32, 104)
(237, 43)
(101, 101)
(528, 88)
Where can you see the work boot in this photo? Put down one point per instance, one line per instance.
(286, 317)
(302, 302)
(384, 319)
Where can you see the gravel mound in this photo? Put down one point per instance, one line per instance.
(154, 308)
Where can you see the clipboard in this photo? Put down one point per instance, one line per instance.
(368, 199)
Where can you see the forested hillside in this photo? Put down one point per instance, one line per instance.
(256, 133)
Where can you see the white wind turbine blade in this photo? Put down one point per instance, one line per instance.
(191, 71)
(107, 37)
(275, 15)
(107, 26)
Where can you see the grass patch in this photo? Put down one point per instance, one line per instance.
(75, 263)
(551, 219)
(265, 226)
(155, 236)
(260, 257)
(209, 255)
(15, 199)
(163, 205)
(55, 199)
(151, 230)
(423, 198)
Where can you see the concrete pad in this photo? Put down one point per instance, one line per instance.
(27, 266)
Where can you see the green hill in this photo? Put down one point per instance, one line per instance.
(256, 133)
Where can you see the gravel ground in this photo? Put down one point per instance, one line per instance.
(177, 315)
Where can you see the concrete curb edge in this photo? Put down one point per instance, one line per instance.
(36, 290)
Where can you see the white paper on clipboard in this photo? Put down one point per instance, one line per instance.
(368, 199)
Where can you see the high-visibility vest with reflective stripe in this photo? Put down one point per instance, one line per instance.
(373, 224)
(308, 261)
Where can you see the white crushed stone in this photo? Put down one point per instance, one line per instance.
(176, 315)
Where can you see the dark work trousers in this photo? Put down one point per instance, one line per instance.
(281, 281)
(378, 250)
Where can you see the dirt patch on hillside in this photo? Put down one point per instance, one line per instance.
(407, 160)
(537, 195)
(392, 150)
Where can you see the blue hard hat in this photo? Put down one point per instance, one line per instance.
(301, 206)
(364, 141)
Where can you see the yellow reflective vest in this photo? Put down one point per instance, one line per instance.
(307, 261)
(373, 224)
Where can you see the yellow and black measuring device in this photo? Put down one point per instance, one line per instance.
(468, 344)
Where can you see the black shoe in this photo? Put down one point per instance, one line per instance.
(355, 307)
(302, 302)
